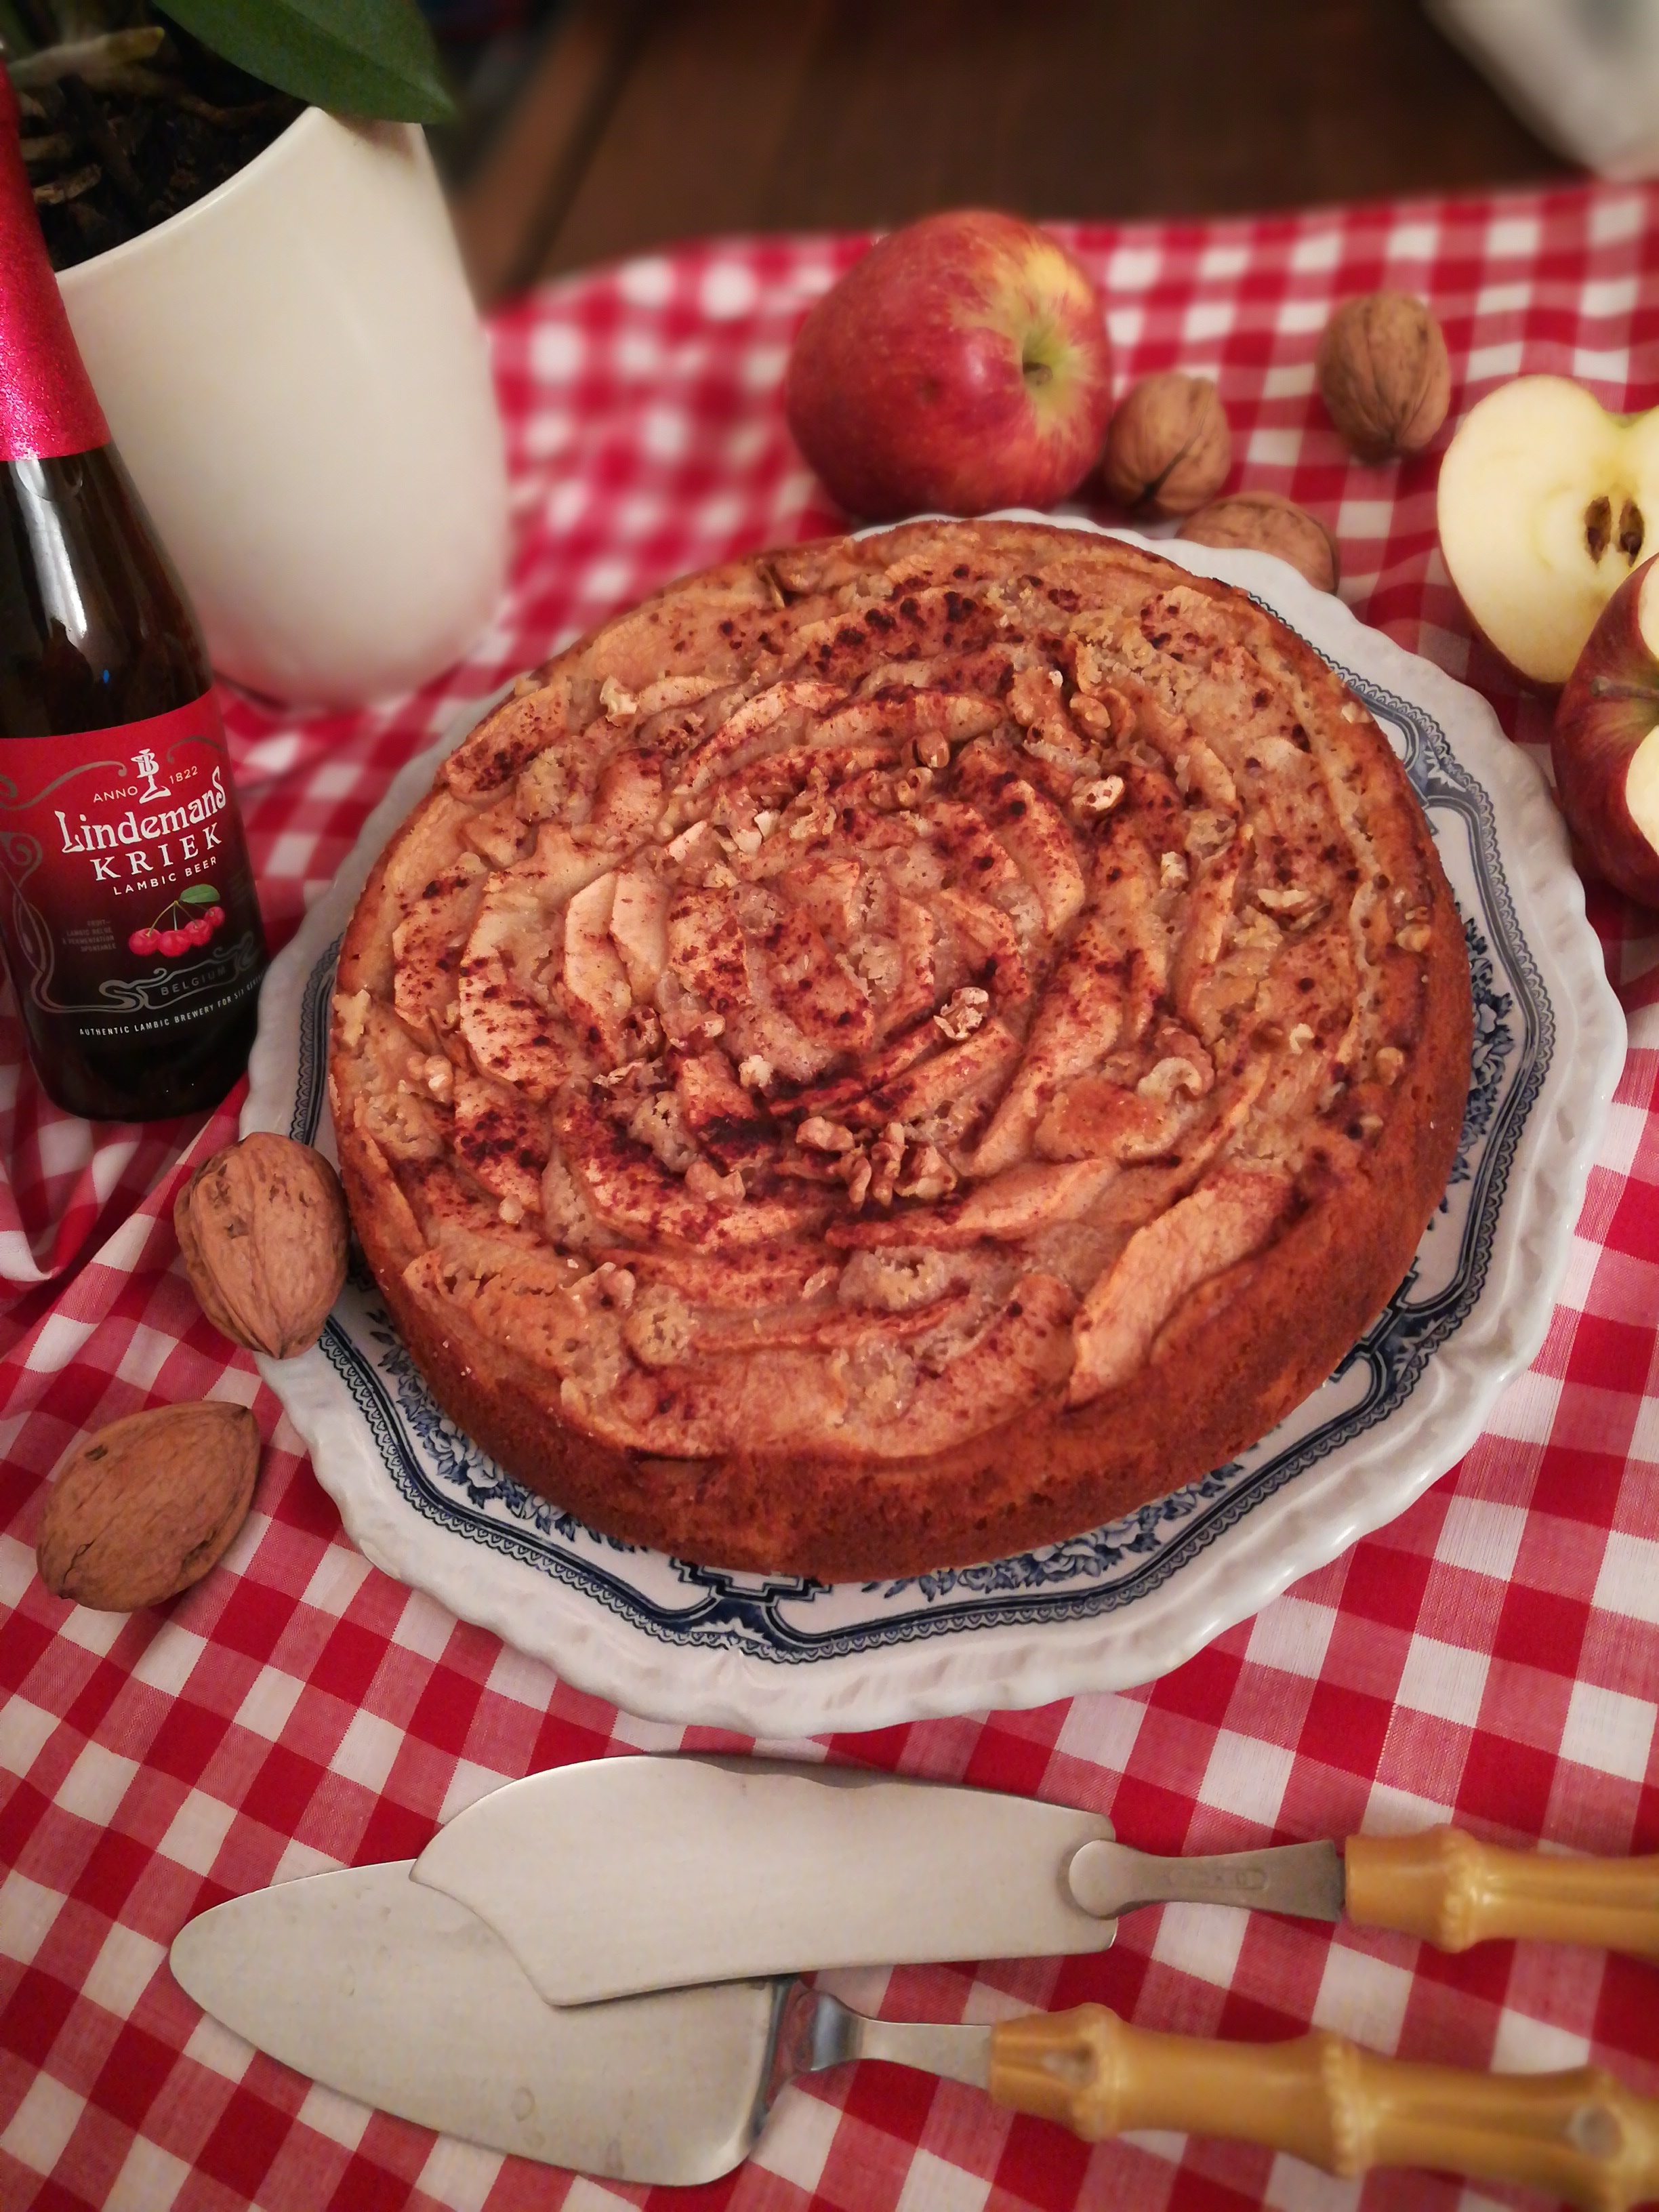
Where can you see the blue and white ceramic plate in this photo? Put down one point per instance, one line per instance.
(778, 1656)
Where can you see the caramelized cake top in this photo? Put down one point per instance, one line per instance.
(869, 990)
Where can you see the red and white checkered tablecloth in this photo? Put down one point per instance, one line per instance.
(1493, 1654)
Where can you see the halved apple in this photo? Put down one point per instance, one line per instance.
(1606, 740)
(1546, 503)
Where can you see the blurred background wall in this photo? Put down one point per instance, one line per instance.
(598, 128)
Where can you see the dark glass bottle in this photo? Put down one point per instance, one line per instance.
(128, 915)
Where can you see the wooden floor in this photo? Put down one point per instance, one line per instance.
(645, 121)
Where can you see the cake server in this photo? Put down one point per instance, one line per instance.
(642, 1872)
(396, 1995)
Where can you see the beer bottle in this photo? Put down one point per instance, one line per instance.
(128, 915)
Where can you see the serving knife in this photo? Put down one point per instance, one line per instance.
(394, 1994)
(617, 1875)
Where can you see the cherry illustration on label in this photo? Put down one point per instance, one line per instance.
(190, 919)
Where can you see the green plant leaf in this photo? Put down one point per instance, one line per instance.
(357, 57)
(199, 894)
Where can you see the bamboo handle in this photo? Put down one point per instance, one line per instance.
(1453, 1891)
(1583, 2136)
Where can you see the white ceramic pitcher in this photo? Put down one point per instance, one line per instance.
(294, 375)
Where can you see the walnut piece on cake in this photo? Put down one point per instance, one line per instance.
(898, 1050)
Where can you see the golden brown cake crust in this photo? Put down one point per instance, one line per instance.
(899, 1050)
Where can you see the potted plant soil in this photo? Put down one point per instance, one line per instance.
(259, 269)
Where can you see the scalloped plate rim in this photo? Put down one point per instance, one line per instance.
(1314, 1517)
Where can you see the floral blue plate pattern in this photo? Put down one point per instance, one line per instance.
(778, 1655)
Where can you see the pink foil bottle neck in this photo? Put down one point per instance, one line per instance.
(47, 404)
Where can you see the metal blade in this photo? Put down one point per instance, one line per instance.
(622, 1875)
(394, 1994)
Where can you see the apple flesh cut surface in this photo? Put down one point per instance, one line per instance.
(1604, 744)
(1546, 503)
(962, 365)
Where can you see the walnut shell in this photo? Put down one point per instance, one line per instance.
(1168, 446)
(1266, 522)
(262, 1226)
(143, 1508)
(1384, 374)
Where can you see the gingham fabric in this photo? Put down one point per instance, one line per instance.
(1493, 1654)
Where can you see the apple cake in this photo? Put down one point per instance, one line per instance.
(900, 1049)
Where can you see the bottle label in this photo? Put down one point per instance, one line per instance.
(126, 900)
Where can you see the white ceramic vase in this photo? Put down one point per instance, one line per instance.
(294, 375)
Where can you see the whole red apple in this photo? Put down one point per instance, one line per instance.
(962, 365)
(1606, 740)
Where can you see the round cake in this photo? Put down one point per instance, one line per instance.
(901, 1049)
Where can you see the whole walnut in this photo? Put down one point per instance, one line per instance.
(261, 1227)
(1168, 446)
(1268, 522)
(1384, 374)
(143, 1509)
